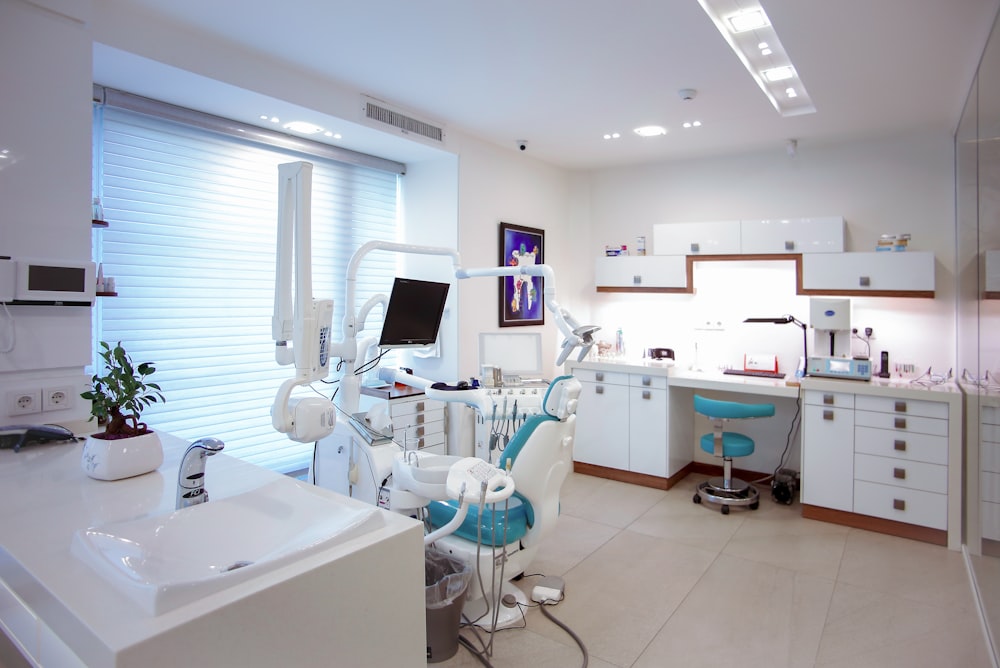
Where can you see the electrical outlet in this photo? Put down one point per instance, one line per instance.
(56, 398)
(23, 402)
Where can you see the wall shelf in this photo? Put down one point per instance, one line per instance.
(98, 223)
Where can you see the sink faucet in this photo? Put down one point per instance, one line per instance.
(191, 476)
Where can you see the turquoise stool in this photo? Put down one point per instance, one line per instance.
(726, 490)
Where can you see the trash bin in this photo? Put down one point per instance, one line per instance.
(445, 582)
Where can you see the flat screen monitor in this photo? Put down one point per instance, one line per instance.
(413, 315)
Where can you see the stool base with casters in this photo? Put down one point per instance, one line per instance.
(726, 490)
(736, 493)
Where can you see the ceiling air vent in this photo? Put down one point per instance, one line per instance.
(378, 112)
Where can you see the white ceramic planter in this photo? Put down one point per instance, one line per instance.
(121, 458)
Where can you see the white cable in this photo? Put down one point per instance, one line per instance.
(10, 323)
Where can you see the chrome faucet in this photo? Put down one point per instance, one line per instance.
(191, 476)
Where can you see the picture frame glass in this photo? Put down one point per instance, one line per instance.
(521, 302)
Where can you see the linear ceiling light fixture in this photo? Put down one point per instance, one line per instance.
(748, 31)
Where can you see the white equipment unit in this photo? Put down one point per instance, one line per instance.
(43, 281)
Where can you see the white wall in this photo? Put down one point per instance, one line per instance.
(45, 186)
(884, 185)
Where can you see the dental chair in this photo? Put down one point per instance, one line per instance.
(728, 491)
(540, 456)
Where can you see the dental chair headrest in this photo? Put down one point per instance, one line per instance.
(562, 397)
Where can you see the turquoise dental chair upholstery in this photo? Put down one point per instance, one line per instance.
(540, 456)
(726, 490)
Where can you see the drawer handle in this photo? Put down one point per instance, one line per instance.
(828, 399)
(789, 245)
(864, 281)
(900, 406)
(899, 504)
(599, 389)
(420, 418)
(647, 381)
(899, 445)
(695, 248)
(420, 443)
(646, 394)
(599, 375)
(900, 423)
(899, 474)
(827, 415)
(419, 431)
(420, 405)
(637, 280)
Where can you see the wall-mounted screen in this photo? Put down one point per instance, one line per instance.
(413, 315)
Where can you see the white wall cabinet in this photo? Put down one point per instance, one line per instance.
(641, 272)
(796, 235)
(860, 273)
(828, 459)
(622, 421)
(710, 238)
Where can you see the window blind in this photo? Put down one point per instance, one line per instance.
(191, 246)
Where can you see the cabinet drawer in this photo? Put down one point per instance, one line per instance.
(899, 473)
(608, 377)
(832, 399)
(901, 423)
(900, 504)
(411, 407)
(989, 457)
(989, 516)
(644, 380)
(417, 419)
(989, 486)
(989, 415)
(931, 409)
(989, 433)
(904, 446)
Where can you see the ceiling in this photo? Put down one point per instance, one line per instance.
(562, 73)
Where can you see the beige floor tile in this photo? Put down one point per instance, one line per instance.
(868, 627)
(747, 614)
(677, 518)
(910, 569)
(570, 543)
(616, 504)
(517, 648)
(620, 596)
(780, 536)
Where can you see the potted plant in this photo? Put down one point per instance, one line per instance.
(126, 447)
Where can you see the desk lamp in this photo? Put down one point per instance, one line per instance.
(784, 320)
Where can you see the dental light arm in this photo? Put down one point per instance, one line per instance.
(574, 333)
(298, 318)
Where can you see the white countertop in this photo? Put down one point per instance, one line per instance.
(45, 497)
(783, 387)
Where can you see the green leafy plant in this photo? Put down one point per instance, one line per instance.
(120, 395)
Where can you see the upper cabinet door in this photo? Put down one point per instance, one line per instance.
(792, 235)
(641, 273)
(907, 274)
(713, 238)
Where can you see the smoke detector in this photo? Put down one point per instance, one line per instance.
(687, 93)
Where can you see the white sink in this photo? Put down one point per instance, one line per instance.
(166, 561)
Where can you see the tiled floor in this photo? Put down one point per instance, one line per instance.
(654, 580)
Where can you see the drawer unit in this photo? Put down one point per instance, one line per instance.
(906, 447)
(417, 422)
(606, 377)
(900, 504)
(898, 473)
(645, 380)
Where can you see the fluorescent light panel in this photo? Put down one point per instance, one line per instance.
(748, 31)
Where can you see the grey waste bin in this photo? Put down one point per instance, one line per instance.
(445, 582)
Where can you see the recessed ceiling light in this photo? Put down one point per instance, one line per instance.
(749, 19)
(778, 73)
(275, 119)
(650, 131)
(790, 92)
(693, 124)
(264, 117)
(303, 127)
(612, 135)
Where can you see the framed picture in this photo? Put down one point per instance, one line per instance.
(521, 296)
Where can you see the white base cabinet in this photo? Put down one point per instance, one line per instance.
(622, 421)
(828, 461)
